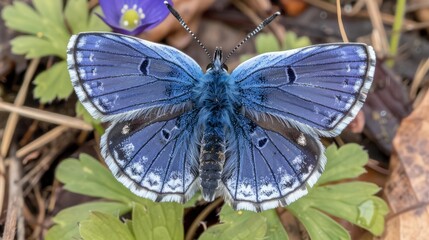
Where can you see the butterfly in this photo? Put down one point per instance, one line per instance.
(250, 136)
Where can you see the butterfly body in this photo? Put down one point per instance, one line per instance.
(250, 136)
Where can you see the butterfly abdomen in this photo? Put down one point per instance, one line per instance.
(215, 99)
(212, 157)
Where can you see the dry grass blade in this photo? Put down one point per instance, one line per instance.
(275, 27)
(41, 141)
(340, 23)
(19, 101)
(14, 218)
(421, 72)
(381, 43)
(46, 116)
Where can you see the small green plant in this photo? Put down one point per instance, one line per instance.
(354, 201)
(267, 42)
(47, 28)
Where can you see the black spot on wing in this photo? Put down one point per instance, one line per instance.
(291, 74)
(144, 67)
(165, 134)
(262, 142)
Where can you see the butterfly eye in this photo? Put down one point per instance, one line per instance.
(225, 67)
(209, 66)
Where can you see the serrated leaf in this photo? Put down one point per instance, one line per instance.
(250, 227)
(13, 15)
(32, 47)
(50, 10)
(352, 201)
(275, 229)
(75, 17)
(89, 177)
(53, 83)
(101, 226)
(66, 221)
(154, 221)
(343, 163)
(318, 225)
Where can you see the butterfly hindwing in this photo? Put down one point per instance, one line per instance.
(318, 89)
(158, 160)
(270, 168)
(118, 77)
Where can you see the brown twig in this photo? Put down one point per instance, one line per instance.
(421, 72)
(277, 30)
(14, 218)
(46, 116)
(340, 23)
(19, 101)
(41, 216)
(35, 174)
(196, 223)
(41, 141)
(379, 33)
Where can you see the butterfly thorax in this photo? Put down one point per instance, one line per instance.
(215, 97)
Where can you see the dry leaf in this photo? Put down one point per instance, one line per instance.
(407, 189)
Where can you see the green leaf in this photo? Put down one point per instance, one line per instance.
(66, 221)
(53, 83)
(265, 42)
(32, 47)
(352, 201)
(154, 221)
(343, 163)
(193, 201)
(49, 37)
(76, 18)
(292, 41)
(238, 225)
(318, 225)
(89, 177)
(95, 23)
(83, 113)
(101, 226)
(275, 229)
(22, 17)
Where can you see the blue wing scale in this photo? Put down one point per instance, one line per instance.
(119, 78)
(318, 89)
(270, 168)
(158, 160)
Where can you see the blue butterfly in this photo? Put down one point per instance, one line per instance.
(250, 136)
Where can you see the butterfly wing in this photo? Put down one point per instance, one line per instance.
(158, 160)
(270, 167)
(118, 77)
(318, 89)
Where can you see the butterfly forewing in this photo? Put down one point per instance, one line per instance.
(158, 160)
(119, 77)
(318, 89)
(267, 169)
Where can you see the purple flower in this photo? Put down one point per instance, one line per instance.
(133, 16)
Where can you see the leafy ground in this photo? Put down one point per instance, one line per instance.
(54, 186)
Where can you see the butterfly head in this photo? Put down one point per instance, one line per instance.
(217, 63)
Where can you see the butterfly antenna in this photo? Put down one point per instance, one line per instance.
(257, 29)
(185, 26)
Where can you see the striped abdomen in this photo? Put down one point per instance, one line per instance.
(212, 159)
